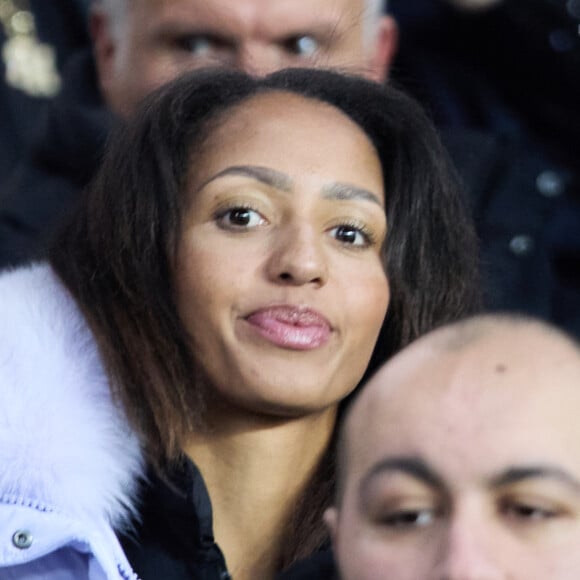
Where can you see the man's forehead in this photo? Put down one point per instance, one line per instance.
(453, 367)
(260, 20)
(302, 7)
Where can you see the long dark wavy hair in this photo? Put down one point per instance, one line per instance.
(115, 255)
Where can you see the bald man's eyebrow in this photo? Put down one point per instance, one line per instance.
(533, 472)
(346, 191)
(412, 466)
(265, 175)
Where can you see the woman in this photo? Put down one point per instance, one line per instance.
(249, 249)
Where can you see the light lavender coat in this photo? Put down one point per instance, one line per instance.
(69, 465)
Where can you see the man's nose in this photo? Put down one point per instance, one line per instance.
(258, 58)
(298, 256)
(470, 550)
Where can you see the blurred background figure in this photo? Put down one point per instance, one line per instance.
(502, 77)
(36, 38)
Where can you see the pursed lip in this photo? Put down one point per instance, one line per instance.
(291, 326)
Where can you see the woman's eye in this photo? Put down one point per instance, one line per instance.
(350, 235)
(408, 519)
(240, 217)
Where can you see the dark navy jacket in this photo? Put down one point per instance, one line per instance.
(61, 26)
(505, 86)
(45, 185)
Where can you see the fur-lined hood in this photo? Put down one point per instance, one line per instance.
(63, 443)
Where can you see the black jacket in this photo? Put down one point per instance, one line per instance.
(61, 28)
(44, 186)
(505, 85)
(174, 539)
(527, 215)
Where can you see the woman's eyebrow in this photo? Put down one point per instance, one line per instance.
(265, 175)
(518, 474)
(283, 182)
(347, 191)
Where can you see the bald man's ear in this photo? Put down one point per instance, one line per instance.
(104, 47)
(330, 518)
(384, 50)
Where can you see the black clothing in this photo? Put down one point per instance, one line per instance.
(320, 566)
(528, 224)
(505, 86)
(61, 26)
(44, 187)
(174, 539)
(510, 69)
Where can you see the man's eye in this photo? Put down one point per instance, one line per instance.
(302, 45)
(199, 44)
(351, 235)
(408, 519)
(528, 512)
(240, 217)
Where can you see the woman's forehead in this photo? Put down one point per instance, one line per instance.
(291, 134)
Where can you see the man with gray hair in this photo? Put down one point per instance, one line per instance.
(141, 44)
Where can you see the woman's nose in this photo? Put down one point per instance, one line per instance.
(298, 257)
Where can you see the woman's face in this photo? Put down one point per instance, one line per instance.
(278, 275)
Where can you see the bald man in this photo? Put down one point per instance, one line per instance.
(460, 460)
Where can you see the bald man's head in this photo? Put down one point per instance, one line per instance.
(480, 416)
(494, 344)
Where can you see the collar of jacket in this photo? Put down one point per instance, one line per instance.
(64, 445)
(174, 537)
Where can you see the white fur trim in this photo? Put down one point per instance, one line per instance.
(63, 443)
